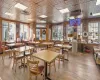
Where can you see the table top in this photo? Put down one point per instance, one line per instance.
(22, 49)
(10, 42)
(14, 44)
(33, 42)
(46, 55)
(47, 43)
(63, 46)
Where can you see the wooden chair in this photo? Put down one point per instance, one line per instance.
(34, 69)
(61, 57)
(66, 51)
(6, 51)
(17, 56)
(29, 53)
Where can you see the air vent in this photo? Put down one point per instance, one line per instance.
(25, 12)
(75, 12)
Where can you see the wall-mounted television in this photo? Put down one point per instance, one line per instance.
(75, 22)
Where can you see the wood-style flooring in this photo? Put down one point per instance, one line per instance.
(79, 67)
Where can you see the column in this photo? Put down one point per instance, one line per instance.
(17, 31)
(33, 27)
(47, 32)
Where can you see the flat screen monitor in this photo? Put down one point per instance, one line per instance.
(75, 22)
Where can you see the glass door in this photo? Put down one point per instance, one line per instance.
(40, 34)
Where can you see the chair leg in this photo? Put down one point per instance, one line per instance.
(36, 78)
(55, 66)
(30, 78)
(67, 55)
(63, 60)
(59, 63)
(15, 65)
(49, 68)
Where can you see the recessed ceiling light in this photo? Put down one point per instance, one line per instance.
(41, 21)
(43, 16)
(30, 19)
(98, 2)
(96, 14)
(66, 10)
(0, 78)
(9, 14)
(20, 6)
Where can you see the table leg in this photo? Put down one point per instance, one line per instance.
(46, 72)
(47, 46)
(23, 64)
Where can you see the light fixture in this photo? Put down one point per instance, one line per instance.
(20, 6)
(0, 78)
(98, 2)
(66, 10)
(43, 16)
(30, 19)
(96, 14)
(72, 17)
(9, 14)
(80, 16)
(42, 21)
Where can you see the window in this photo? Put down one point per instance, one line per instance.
(8, 31)
(38, 34)
(12, 31)
(57, 32)
(24, 31)
(70, 32)
(93, 32)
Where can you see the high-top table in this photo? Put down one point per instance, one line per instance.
(47, 56)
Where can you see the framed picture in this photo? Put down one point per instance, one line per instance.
(85, 34)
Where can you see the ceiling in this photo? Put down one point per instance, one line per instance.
(47, 7)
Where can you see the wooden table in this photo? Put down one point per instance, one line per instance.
(63, 46)
(33, 42)
(14, 45)
(47, 56)
(23, 48)
(47, 44)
